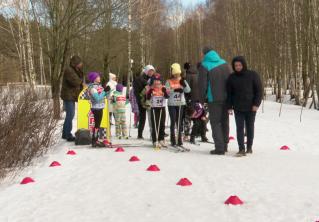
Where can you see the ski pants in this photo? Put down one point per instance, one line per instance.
(159, 123)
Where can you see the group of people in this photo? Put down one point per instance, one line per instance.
(210, 91)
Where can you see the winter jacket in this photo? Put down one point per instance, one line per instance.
(157, 97)
(176, 98)
(72, 81)
(118, 102)
(213, 75)
(192, 80)
(97, 96)
(144, 102)
(133, 102)
(139, 85)
(244, 88)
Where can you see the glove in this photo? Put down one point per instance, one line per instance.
(182, 82)
(164, 90)
(180, 90)
(107, 88)
(150, 91)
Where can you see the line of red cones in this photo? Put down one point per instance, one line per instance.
(232, 200)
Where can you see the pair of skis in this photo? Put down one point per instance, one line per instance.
(178, 149)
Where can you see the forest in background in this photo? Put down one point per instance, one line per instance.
(278, 38)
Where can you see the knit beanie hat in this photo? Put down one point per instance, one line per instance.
(111, 76)
(176, 69)
(92, 76)
(155, 77)
(119, 87)
(147, 68)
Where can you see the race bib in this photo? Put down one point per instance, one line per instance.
(176, 97)
(157, 101)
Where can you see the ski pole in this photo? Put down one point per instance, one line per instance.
(154, 127)
(159, 124)
(178, 121)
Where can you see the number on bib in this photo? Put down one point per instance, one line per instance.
(157, 101)
(177, 97)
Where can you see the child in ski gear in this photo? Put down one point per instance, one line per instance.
(134, 107)
(199, 123)
(176, 86)
(97, 96)
(157, 95)
(119, 102)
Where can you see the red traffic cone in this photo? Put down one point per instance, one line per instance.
(27, 180)
(184, 182)
(71, 152)
(234, 200)
(285, 148)
(119, 149)
(231, 138)
(134, 159)
(55, 164)
(153, 168)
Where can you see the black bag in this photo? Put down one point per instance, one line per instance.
(83, 137)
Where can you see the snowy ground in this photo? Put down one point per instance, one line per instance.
(101, 185)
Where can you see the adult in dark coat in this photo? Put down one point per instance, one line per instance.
(244, 90)
(192, 80)
(191, 98)
(138, 85)
(72, 84)
(213, 75)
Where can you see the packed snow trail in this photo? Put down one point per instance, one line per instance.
(102, 185)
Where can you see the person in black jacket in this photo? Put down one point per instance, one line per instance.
(138, 85)
(244, 96)
(191, 98)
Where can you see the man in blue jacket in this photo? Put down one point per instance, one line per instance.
(213, 75)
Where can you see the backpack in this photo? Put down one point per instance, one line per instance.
(83, 137)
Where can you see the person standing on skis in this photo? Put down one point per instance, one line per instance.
(97, 96)
(157, 96)
(177, 87)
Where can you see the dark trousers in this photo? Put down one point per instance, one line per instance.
(245, 119)
(219, 120)
(69, 107)
(174, 113)
(141, 124)
(98, 115)
(159, 124)
(199, 128)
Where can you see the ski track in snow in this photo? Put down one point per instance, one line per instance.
(102, 185)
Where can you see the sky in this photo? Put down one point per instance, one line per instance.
(191, 2)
